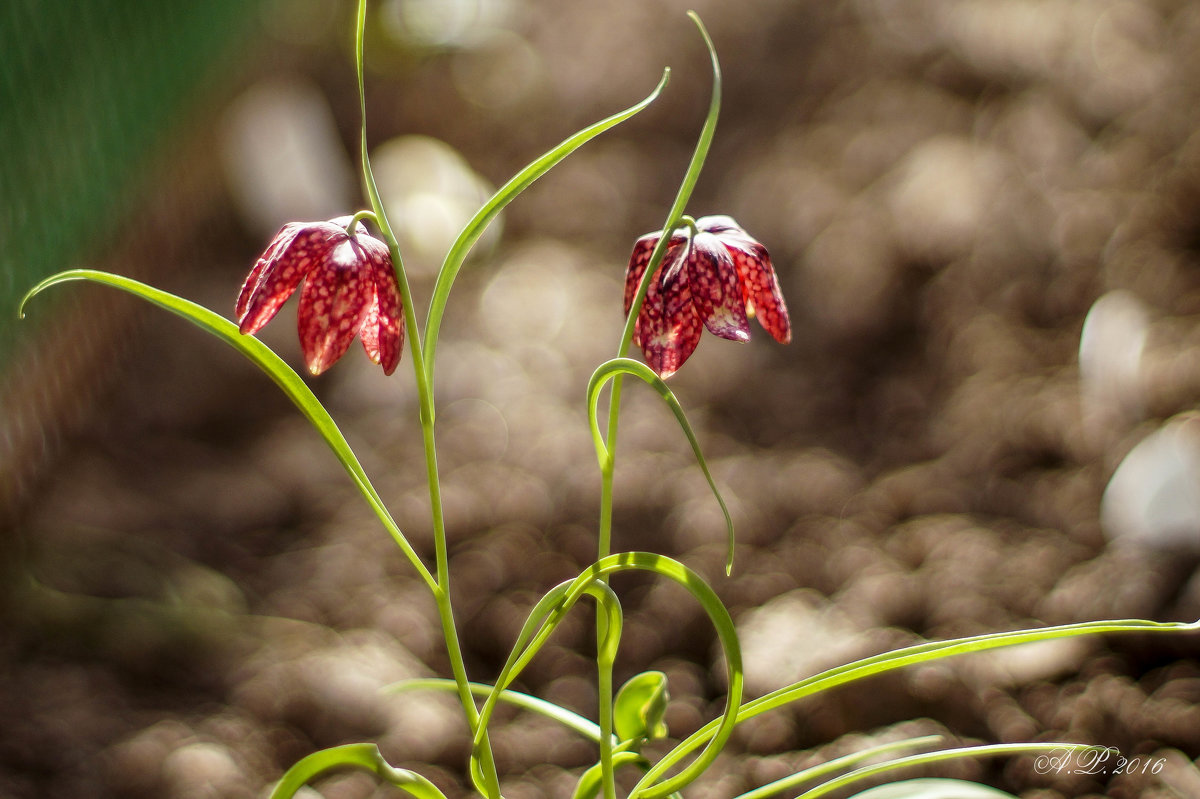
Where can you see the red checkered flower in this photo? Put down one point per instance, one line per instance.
(718, 280)
(349, 289)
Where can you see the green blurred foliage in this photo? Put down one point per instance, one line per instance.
(87, 90)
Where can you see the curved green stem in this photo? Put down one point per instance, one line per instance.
(611, 371)
(542, 621)
(595, 776)
(549, 612)
(569, 719)
(365, 757)
(607, 464)
(365, 215)
(674, 219)
(690, 178)
(441, 592)
(492, 208)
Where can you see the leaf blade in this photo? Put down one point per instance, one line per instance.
(475, 228)
(365, 757)
(265, 359)
(912, 655)
(613, 369)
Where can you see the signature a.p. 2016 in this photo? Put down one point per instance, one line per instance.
(1096, 760)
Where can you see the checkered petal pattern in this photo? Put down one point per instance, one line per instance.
(349, 289)
(717, 280)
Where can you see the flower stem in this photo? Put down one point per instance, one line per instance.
(604, 668)
(441, 593)
(366, 215)
(675, 218)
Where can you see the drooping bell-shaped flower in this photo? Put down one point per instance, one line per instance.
(349, 289)
(718, 280)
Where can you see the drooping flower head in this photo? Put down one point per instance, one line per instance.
(717, 280)
(349, 289)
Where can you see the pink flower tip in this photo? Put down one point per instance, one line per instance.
(718, 282)
(349, 289)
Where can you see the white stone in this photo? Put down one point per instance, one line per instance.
(1153, 498)
(1111, 346)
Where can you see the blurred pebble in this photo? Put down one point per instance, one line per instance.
(333, 691)
(430, 192)
(135, 765)
(500, 72)
(1180, 773)
(1110, 358)
(201, 770)
(1103, 53)
(1029, 663)
(849, 273)
(942, 196)
(447, 23)
(794, 636)
(1153, 498)
(1124, 582)
(283, 156)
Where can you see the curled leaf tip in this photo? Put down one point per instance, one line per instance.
(700, 24)
(29, 295)
(609, 370)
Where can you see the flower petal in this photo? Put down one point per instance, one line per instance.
(672, 326)
(678, 256)
(760, 288)
(719, 224)
(715, 288)
(369, 333)
(643, 248)
(296, 250)
(650, 316)
(383, 328)
(254, 279)
(336, 299)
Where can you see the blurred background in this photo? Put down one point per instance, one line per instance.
(983, 214)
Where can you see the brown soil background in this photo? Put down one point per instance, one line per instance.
(945, 187)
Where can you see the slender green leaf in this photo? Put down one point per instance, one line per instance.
(604, 677)
(264, 358)
(486, 774)
(569, 719)
(542, 621)
(492, 208)
(690, 178)
(365, 757)
(589, 782)
(610, 370)
(838, 764)
(909, 656)
(930, 758)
